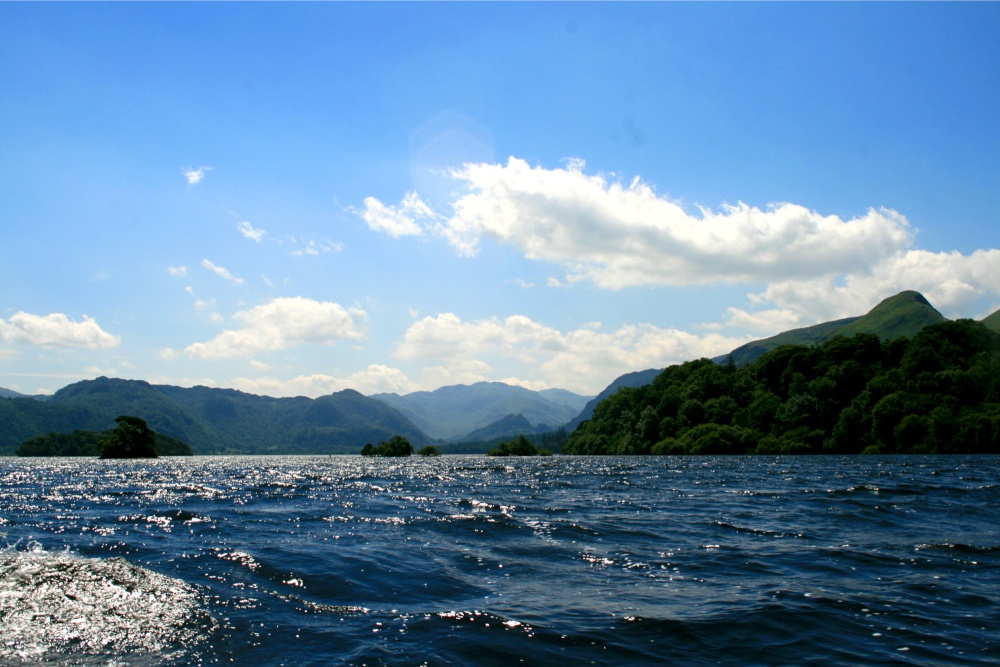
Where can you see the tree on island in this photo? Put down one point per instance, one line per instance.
(429, 450)
(396, 446)
(132, 439)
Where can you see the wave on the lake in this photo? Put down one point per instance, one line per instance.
(62, 608)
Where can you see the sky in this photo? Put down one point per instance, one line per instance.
(300, 198)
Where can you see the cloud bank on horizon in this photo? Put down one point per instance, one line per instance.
(390, 210)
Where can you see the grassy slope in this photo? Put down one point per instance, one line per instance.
(901, 315)
(993, 321)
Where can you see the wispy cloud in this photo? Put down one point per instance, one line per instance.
(55, 330)
(250, 232)
(316, 248)
(194, 176)
(177, 271)
(281, 324)
(221, 272)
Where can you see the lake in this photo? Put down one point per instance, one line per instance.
(472, 560)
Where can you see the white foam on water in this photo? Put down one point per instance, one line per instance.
(58, 603)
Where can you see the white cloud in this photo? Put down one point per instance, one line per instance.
(456, 371)
(248, 231)
(315, 248)
(951, 281)
(583, 360)
(221, 272)
(168, 354)
(617, 235)
(766, 322)
(283, 323)
(55, 330)
(397, 221)
(177, 271)
(194, 176)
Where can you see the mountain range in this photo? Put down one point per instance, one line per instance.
(216, 421)
(457, 412)
(212, 421)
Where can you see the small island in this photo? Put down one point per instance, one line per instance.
(396, 446)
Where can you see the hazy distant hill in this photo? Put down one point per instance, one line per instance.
(454, 412)
(507, 427)
(10, 393)
(211, 420)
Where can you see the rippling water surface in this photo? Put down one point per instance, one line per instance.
(482, 561)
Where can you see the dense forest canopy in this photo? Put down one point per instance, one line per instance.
(938, 392)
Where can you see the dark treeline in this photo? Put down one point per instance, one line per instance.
(91, 443)
(397, 445)
(551, 441)
(938, 392)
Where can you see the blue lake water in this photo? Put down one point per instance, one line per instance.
(481, 561)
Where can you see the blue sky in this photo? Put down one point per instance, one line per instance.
(300, 198)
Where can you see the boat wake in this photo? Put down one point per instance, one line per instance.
(63, 608)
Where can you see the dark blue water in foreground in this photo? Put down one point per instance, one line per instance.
(483, 561)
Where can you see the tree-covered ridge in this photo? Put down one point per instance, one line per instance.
(938, 392)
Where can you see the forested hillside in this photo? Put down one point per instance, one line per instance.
(938, 392)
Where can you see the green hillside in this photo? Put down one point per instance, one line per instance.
(902, 315)
(754, 350)
(993, 321)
